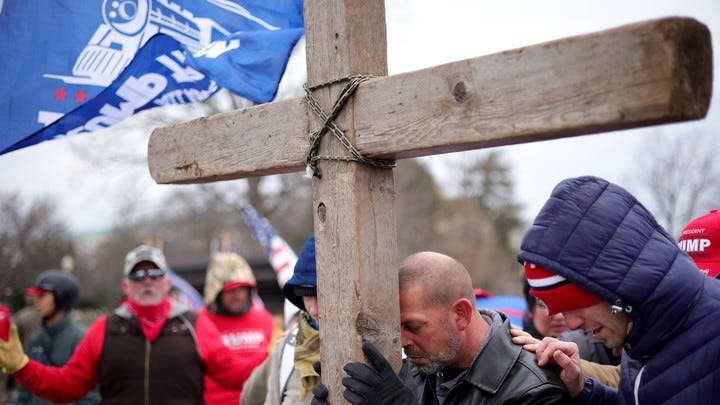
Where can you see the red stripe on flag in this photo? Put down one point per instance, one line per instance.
(281, 267)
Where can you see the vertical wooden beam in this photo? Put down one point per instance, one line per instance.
(354, 204)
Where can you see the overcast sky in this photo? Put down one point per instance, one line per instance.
(421, 33)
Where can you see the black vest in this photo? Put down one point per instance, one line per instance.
(134, 371)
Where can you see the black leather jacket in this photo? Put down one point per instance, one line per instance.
(502, 373)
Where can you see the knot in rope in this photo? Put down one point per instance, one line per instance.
(352, 83)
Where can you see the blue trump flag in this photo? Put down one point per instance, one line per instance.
(77, 66)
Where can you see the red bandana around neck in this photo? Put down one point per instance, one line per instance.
(151, 317)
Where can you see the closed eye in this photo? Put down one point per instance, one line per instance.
(413, 327)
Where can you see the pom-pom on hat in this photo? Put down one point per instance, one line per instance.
(701, 240)
(558, 294)
(304, 279)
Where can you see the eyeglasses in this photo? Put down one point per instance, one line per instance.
(139, 275)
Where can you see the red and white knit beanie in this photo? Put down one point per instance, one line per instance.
(558, 294)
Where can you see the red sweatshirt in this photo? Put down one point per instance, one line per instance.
(249, 337)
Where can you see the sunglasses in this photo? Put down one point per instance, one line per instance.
(139, 275)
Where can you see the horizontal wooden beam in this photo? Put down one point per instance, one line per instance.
(642, 74)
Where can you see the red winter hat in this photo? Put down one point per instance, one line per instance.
(701, 240)
(558, 294)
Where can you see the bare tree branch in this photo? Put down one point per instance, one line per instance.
(681, 174)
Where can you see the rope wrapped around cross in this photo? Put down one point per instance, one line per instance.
(329, 124)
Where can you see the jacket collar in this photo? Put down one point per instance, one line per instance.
(175, 310)
(497, 356)
(61, 324)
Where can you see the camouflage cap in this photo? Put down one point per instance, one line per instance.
(144, 253)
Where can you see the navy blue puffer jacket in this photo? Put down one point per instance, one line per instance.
(597, 235)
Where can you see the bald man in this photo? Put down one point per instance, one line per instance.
(459, 354)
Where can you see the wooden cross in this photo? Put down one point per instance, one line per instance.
(648, 73)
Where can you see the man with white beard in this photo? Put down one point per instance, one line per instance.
(149, 350)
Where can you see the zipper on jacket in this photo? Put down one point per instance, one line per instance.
(636, 389)
(146, 393)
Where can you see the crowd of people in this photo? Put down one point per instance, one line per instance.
(618, 311)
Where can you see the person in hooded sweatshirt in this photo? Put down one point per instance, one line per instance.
(287, 376)
(245, 326)
(598, 255)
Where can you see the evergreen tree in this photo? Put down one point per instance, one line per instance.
(486, 179)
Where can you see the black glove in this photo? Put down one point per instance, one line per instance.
(320, 391)
(377, 384)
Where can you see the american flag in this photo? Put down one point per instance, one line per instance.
(280, 255)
